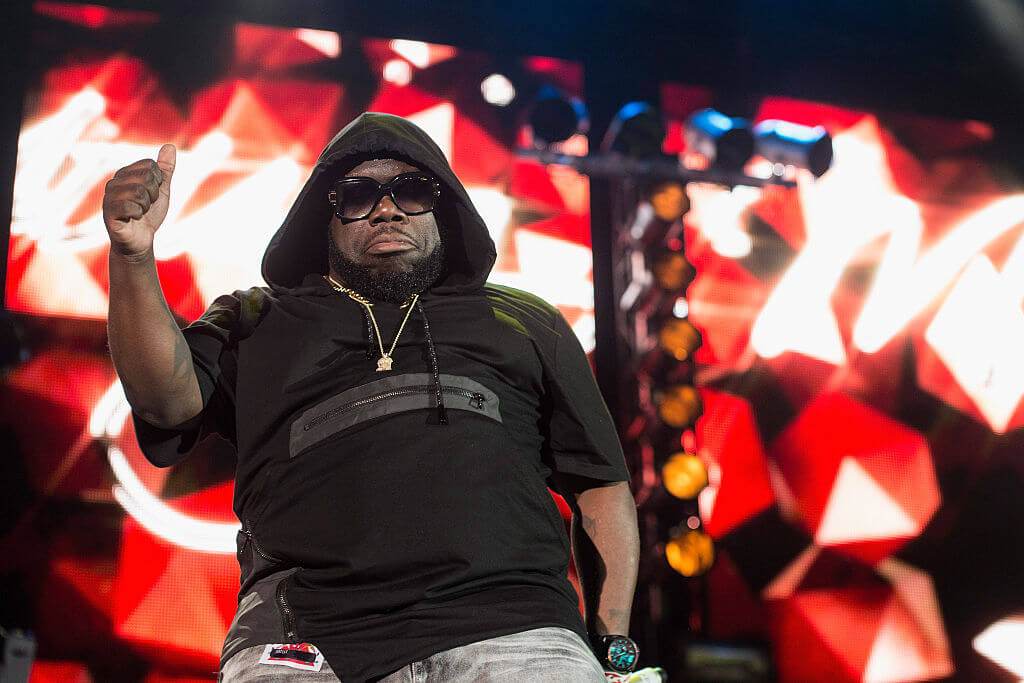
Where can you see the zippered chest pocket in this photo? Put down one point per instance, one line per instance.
(388, 396)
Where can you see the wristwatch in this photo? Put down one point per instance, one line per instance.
(616, 653)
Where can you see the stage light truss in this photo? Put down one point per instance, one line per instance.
(657, 382)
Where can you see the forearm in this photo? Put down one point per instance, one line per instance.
(606, 547)
(149, 351)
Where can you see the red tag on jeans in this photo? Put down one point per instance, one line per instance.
(303, 656)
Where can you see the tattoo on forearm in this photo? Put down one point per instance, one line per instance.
(619, 620)
(615, 621)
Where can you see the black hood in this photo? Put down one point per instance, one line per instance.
(300, 245)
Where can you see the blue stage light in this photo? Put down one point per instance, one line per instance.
(556, 117)
(636, 132)
(782, 142)
(726, 142)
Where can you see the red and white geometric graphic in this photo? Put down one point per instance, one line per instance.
(878, 628)
(175, 604)
(864, 484)
(245, 146)
(739, 486)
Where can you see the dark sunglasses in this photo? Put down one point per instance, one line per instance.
(355, 198)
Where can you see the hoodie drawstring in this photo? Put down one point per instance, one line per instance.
(369, 333)
(442, 414)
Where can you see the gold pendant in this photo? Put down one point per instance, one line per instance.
(384, 363)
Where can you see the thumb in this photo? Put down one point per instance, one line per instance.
(166, 160)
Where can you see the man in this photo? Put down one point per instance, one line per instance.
(396, 422)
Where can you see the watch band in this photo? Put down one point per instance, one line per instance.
(617, 653)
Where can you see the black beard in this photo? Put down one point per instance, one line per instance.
(390, 287)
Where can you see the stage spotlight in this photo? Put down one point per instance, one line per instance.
(672, 271)
(556, 118)
(680, 406)
(791, 144)
(684, 475)
(636, 132)
(669, 200)
(690, 552)
(726, 142)
(498, 90)
(679, 338)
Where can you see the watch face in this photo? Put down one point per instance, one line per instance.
(622, 654)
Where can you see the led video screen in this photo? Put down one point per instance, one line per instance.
(249, 126)
(129, 558)
(862, 383)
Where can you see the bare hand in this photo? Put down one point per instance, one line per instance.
(135, 202)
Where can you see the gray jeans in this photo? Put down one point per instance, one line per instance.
(556, 655)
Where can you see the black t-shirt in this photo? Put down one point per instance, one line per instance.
(409, 537)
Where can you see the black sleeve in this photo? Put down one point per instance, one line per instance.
(212, 340)
(582, 440)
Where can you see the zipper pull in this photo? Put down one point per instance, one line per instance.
(477, 401)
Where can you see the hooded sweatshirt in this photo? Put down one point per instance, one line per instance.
(387, 516)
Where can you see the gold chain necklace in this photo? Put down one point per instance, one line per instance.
(385, 361)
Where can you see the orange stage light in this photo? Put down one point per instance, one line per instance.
(680, 406)
(690, 553)
(669, 200)
(684, 475)
(679, 338)
(672, 271)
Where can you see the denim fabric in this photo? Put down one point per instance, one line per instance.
(541, 655)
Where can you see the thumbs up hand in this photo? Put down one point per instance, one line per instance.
(135, 202)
